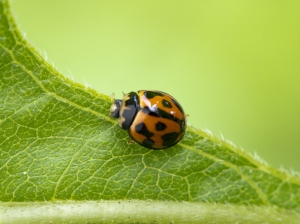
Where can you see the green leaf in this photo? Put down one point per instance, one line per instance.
(57, 142)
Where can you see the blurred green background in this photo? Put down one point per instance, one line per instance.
(233, 65)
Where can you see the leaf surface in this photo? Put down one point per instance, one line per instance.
(57, 142)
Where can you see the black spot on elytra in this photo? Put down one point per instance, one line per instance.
(159, 126)
(148, 143)
(142, 129)
(170, 138)
(151, 94)
(167, 115)
(166, 103)
(161, 113)
(146, 110)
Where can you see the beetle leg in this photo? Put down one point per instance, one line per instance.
(130, 141)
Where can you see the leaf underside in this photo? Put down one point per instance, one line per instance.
(58, 142)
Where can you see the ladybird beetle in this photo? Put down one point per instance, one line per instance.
(154, 119)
